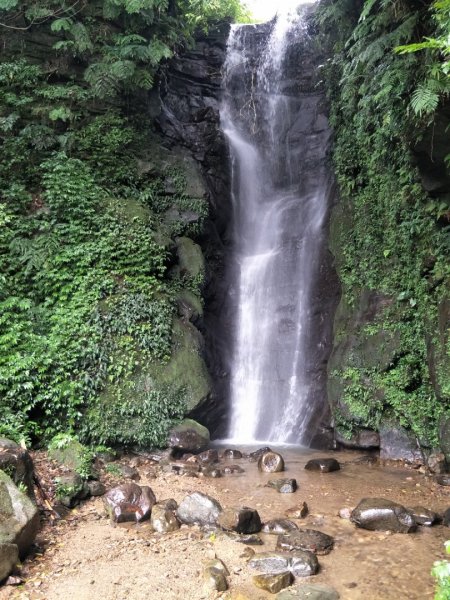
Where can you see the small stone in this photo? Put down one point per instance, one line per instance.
(271, 462)
(306, 539)
(129, 472)
(379, 514)
(316, 591)
(273, 583)
(248, 553)
(446, 518)
(212, 472)
(443, 480)
(231, 454)
(215, 578)
(232, 470)
(345, 513)
(279, 526)
(304, 563)
(324, 465)
(250, 539)
(283, 486)
(270, 562)
(169, 504)
(240, 519)
(163, 520)
(297, 512)
(424, 516)
(208, 456)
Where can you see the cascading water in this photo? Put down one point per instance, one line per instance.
(278, 139)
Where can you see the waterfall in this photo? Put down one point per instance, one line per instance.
(272, 116)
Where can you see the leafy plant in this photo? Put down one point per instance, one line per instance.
(441, 572)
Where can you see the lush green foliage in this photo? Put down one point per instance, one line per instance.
(83, 290)
(441, 572)
(393, 236)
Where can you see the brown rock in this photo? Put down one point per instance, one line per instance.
(273, 583)
(129, 502)
(297, 512)
(271, 462)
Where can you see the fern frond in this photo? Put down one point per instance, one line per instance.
(425, 99)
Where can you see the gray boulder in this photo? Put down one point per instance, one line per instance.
(283, 486)
(379, 514)
(200, 509)
(164, 520)
(19, 517)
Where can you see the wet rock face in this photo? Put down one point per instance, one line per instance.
(324, 465)
(310, 540)
(189, 436)
(378, 514)
(396, 443)
(129, 502)
(365, 439)
(200, 509)
(240, 520)
(271, 462)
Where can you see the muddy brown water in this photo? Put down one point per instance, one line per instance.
(91, 559)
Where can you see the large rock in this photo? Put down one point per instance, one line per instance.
(271, 462)
(19, 517)
(379, 514)
(200, 509)
(396, 443)
(304, 563)
(17, 463)
(129, 502)
(240, 519)
(310, 540)
(189, 436)
(9, 557)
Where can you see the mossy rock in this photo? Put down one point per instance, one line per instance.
(186, 368)
(192, 262)
(190, 306)
(72, 455)
(144, 406)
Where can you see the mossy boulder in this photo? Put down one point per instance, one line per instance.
(19, 517)
(146, 404)
(189, 436)
(72, 455)
(186, 368)
(17, 463)
(191, 260)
